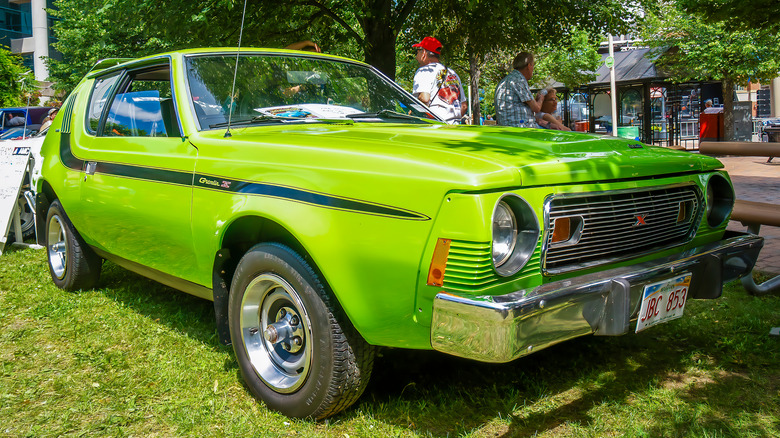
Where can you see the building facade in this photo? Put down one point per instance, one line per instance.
(25, 29)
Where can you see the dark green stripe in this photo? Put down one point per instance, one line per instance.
(232, 186)
(305, 196)
(145, 173)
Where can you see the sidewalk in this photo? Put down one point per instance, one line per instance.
(756, 180)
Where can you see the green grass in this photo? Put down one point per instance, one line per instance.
(135, 358)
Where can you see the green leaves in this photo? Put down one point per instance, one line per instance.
(696, 49)
(11, 72)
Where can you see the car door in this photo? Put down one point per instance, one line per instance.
(137, 185)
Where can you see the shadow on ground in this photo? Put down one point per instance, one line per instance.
(436, 394)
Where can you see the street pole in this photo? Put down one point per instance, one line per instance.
(611, 65)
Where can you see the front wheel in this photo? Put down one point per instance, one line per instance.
(295, 347)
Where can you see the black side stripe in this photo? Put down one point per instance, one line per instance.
(241, 187)
(66, 156)
(145, 173)
(305, 196)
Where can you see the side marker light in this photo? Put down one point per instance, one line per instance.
(439, 262)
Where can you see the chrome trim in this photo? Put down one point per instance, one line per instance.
(510, 267)
(696, 221)
(158, 276)
(727, 214)
(503, 328)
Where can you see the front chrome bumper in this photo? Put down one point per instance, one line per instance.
(503, 328)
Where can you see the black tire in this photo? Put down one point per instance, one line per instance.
(318, 375)
(27, 218)
(72, 264)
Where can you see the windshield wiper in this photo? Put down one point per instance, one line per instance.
(268, 118)
(387, 114)
(265, 118)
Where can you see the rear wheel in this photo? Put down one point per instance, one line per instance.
(295, 348)
(72, 264)
(27, 219)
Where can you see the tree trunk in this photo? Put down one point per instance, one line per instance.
(474, 73)
(728, 109)
(379, 46)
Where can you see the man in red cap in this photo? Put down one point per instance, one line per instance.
(436, 85)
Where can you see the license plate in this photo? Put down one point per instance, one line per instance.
(663, 301)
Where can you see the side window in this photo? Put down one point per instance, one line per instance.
(100, 94)
(143, 106)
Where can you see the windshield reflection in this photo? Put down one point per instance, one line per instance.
(272, 86)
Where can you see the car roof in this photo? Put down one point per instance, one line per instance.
(113, 64)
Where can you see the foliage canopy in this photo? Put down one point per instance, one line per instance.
(12, 71)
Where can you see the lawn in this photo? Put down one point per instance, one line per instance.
(135, 358)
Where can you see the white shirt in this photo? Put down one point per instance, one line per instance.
(446, 92)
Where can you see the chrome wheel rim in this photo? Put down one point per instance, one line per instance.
(276, 333)
(57, 247)
(27, 219)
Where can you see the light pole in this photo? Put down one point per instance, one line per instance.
(27, 108)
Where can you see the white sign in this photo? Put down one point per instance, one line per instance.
(14, 159)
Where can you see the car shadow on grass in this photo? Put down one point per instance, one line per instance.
(590, 383)
(177, 310)
(669, 380)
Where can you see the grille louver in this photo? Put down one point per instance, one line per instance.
(621, 225)
(470, 266)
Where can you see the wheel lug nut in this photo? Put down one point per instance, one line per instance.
(282, 313)
(297, 341)
(270, 334)
(286, 346)
(294, 320)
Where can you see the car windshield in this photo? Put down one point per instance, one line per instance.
(289, 89)
(16, 133)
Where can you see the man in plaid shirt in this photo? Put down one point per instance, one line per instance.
(515, 104)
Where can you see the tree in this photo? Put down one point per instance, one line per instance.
(13, 76)
(737, 14)
(91, 30)
(485, 35)
(695, 50)
(572, 63)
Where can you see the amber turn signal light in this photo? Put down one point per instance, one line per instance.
(439, 262)
(561, 230)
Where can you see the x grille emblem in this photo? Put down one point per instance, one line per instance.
(640, 220)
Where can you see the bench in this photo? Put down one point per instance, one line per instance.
(750, 214)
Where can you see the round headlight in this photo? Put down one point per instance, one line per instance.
(720, 200)
(504, 233)
(515, 234)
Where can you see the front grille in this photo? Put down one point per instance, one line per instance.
(606, 227)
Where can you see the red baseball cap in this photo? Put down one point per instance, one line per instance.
(430, 44)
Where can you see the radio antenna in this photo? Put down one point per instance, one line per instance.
(235, 72)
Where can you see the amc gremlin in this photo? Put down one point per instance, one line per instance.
(326, 213)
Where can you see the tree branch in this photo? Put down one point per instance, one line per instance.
(402, 15)
(330, 13)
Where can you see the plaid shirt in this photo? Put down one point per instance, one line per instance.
(512, 94)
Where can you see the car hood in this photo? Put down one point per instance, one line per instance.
(480, 156)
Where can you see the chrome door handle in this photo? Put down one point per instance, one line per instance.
(90, 167)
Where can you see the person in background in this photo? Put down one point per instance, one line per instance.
(515, 104)
(549, 117)
(305, 45)
(437, 86)
(49, 118)
(709, 109)
(14, 120)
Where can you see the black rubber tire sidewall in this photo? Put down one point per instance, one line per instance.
(308, 400)
(82, 270)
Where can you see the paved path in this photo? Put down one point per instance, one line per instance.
(756, 180)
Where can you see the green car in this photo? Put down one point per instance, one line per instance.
(326, 213)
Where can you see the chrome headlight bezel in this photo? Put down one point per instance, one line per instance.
(719, 199)
(521, 237)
